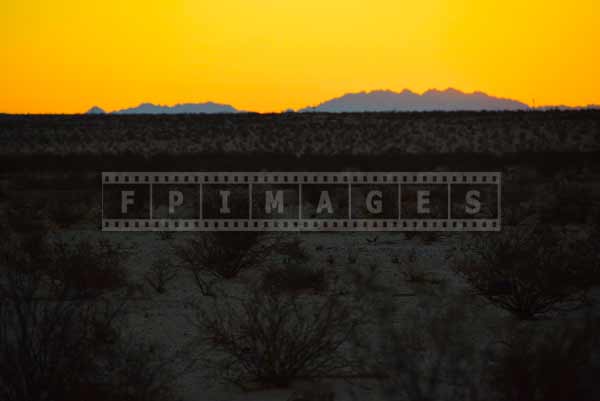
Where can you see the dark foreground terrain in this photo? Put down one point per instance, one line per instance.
(101, 316)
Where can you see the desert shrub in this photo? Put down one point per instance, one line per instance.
(557, 362)
(57, 348)
(222, 255)
(160, 274)
(269, 339)
(86, 268)
(294, 277)
(429, 353)
(528, 270)
(53, 342)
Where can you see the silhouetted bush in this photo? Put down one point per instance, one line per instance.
(48, 345)
(269, 339)
(54, 347)
(529, 270)
(428, 353)
(222, 255)
(161, 273)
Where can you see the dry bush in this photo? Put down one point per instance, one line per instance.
(429, 354)
(161, 273)
(54, 347)
(48, 345)
(222, 255)
(529, 270)
(269, 339)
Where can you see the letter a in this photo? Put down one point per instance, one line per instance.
(324, 202)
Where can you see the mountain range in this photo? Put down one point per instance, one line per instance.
(184, 108)
(374, 101)
(432, 100)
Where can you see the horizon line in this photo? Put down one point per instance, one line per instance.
(530, 106)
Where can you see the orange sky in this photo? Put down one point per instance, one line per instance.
(64, 56)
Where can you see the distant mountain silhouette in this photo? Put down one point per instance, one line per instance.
(185, 108)
(379, 100)
(95, 110)
(432, 100)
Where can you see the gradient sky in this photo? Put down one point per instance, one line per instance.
(267, 55)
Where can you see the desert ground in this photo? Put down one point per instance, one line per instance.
(95, 315)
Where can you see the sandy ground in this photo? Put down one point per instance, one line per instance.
(165, 318)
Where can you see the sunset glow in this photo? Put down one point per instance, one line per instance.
(65, 56)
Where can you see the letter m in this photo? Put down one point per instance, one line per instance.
(273, 202)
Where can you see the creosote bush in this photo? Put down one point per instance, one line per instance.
(56, 347)
(426, 350)
(270, 339)
(222, 255)
(528, 270)
(161, 273)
